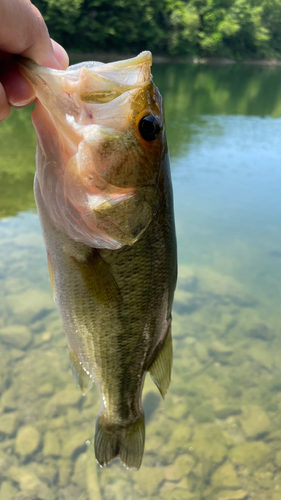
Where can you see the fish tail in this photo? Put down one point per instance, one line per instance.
(123, 441)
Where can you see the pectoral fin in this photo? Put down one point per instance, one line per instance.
(98, 278)
(80, 376)
(160, 370)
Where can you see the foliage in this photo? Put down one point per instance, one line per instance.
(219, 28)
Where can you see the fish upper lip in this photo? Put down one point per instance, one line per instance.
(137, 67)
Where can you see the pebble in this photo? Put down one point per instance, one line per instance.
(16, 335)
(28, 305)
(148, 480)
(278, 459)
(225, 476)
(65, 469)
(29, 483)
(251, 454)
(180, 468)
(75, 443)
(7, 491)
(8, 423)
(27, 441)
(70, 396)
(52, 444)
(233, 495)
(254, 421)
(79, 476)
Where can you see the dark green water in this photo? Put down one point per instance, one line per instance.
(217, 435)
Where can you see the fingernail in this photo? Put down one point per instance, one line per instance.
(20, 104)
(60, 54)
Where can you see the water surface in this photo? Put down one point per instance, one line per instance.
(217, 435)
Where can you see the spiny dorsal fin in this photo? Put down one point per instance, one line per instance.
(81, 377)
(98, 278)
(160, 370)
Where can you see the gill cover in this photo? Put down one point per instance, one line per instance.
(98, 154)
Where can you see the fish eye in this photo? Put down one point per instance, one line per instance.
(149, 127)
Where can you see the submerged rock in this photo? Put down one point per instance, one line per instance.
(261, 355)
(185, 302)
(177, 494)
(16, 335)
(7, 491)
(201, 352)
(180, 468)
(30, 305)
(27, 441)
(233, 495)
(46, 389)
(179, 440)
(209, 443)
(8, 423)
(223, 411)
(278, 459)
(187, 279)
(75, 443)
(204, 413)
(47, 472)
(250, 454)
(255, 422)
(220, 352)
(52, 444)
(225, 476)
(148, 480)
(70, 396)
(260, 331)
(79, 477)
(30, 484)
(65, 469)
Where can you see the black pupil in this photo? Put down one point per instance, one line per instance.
(149, 128)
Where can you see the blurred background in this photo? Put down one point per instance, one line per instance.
(234, 29)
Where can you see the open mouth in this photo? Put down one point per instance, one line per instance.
(92, 92)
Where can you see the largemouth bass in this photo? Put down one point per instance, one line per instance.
(104, 197)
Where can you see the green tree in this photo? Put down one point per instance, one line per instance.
(220, 28)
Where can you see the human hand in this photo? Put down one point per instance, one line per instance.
(23, 31)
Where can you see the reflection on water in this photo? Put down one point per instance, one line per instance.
(217, 435)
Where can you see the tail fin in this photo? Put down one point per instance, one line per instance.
(115, 440)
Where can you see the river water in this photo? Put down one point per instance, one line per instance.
(217, 435)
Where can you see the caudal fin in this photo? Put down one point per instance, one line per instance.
(125, 442)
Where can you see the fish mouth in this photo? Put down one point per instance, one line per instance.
(112, 78)
(91, 93)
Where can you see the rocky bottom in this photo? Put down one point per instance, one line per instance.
(217, 435)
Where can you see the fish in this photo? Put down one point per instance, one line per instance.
(104, 196)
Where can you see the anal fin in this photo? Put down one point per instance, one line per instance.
(81, 377)
(161, 368)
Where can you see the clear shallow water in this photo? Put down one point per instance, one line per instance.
(217, 435)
